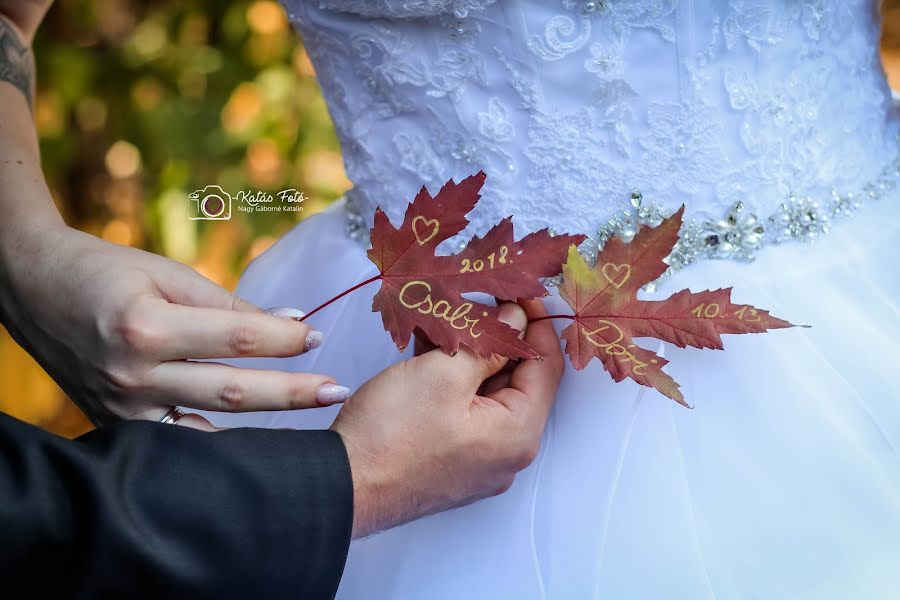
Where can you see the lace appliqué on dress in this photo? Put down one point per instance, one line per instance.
(568, 106)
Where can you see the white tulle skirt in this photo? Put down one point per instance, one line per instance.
(783, 482)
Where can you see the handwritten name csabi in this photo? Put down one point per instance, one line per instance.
(458, 317)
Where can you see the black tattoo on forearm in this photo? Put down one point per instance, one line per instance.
(16, 61)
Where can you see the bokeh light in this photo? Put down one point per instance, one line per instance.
(123, 159)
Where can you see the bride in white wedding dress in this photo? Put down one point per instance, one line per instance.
(772, 121)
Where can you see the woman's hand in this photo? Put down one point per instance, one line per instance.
(115, 327)
(112, 325)
(421, 439)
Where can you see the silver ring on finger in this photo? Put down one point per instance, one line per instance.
(172, 416)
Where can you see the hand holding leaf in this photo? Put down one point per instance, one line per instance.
(422, 290)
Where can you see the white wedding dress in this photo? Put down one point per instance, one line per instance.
(784, 481)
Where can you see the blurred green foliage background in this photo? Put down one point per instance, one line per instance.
(141, 103)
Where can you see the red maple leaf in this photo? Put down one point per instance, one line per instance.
(608, 314)
(421, 289)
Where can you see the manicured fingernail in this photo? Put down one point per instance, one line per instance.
(314, 339)
(513, 315)
(330, 393)
(287, 313)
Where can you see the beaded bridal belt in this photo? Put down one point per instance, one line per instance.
(737, 235)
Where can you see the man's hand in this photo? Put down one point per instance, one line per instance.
(114, 326)
(421, 439)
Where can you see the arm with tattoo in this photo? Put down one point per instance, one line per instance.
(24, 197)
(16, 60)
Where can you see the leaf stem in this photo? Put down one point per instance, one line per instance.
(341, 295)
(548, 317)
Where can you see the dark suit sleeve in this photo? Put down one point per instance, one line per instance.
(144, 510)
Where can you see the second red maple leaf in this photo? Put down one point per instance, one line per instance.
(608, 314)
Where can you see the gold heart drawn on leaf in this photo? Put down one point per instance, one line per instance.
(615, 278)
(431, 228)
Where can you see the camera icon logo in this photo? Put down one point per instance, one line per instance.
(212, 203)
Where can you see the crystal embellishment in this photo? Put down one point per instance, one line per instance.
(736, 235)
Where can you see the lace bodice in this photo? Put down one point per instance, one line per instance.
(569, 106)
